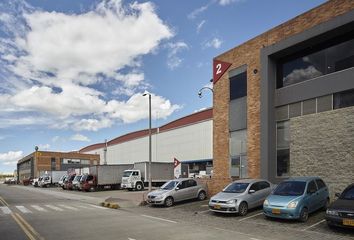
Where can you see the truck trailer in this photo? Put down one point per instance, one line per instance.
(138, 177)
(104, 177)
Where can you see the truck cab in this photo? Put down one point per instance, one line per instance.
(132, 179)
(87, 183)
(46, 181)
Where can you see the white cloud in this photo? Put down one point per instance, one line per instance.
(51, 61)
(227, 2)
(55, 139)
(174, 60)
(200, 25)
(198, 11)
(298, 74)
(80, 138)
(10, 158)
(138, 102)
(215, 43)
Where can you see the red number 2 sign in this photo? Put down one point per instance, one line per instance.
(219, 68)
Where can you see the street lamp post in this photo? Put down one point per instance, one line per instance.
(150, 152)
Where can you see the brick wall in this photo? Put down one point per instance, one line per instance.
(249, 54)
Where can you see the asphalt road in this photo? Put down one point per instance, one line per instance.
(35, 214)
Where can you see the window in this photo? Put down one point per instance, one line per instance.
(283, 148)
(320, 184)
(183, 184)
(325, 58)
(255, 187)
(343, 99)
(238, 86)
(192, 183)
(53, 164)
(135, 174)
(311, 188)
(263, 185)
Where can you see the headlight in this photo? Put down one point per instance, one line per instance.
(332, 212)
(266, 202)
(231, 201)
(292, 204)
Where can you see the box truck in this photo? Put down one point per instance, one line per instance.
(104, 177)
(138, 177)
(50, 178)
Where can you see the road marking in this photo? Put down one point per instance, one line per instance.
(38, 208)
(204, 205)
(54, 208)
(161, 219)
(98, 207)
(85, 207)
(5, 210)
(131, 239)
(250, 217)
(23, 209)
(68, 207)
(254, 239)
(313, 225)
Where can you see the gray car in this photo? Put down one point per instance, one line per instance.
(241, 195)
(175, 191)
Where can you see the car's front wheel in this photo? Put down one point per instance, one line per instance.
(304, 215)
(169, 202)
(243, 209)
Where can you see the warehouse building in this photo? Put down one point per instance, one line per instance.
(188, 139)
(284, 101)
(38, 162)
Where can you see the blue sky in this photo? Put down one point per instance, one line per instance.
(73, 72)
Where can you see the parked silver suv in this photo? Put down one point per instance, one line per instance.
(241, 195)
(176, 190)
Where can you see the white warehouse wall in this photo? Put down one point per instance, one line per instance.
(191, 142)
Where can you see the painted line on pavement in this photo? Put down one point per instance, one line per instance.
(54, 208)
(38, 208)
(23, 209)
(206, 205)
(68, 207)
(99, 207)
(205, 211)
(313, 225)
(6, 210)
(255, 215)
(157, 218)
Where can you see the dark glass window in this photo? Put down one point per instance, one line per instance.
(192, 183)
(311, 187)
(320, 183)
(255, 186)
(328, 57)
(238, 86)
(283, 162)
(264, 185)
(283, 148)
(343, 99)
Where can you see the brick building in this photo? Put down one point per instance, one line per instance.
(37, 162)
(284, 107)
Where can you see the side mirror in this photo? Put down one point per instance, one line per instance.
(251, 191)
(177, 188)
(337, 195)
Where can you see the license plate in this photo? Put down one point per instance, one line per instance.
(348, 222)
(217, 207)
(275, 211)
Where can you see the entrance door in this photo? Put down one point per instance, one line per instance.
(243, 166)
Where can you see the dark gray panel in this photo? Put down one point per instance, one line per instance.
(324, 103)
(238, 114)
(309, 106)
(295, 110)
(282, 113)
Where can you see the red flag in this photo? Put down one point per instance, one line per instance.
(219, 68)
(176, 162)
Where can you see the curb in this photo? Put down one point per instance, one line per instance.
(110, 205)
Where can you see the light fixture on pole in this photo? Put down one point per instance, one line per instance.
(150, 153)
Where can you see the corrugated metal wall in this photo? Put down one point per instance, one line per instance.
(193, 142)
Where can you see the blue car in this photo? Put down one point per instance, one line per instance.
(296, 197)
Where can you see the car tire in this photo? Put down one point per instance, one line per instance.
(326, 204)
(304, 215)
(243, 209)
(139, 187)
(201, 196)
(169, 202)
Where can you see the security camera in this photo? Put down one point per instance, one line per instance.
(200, 94)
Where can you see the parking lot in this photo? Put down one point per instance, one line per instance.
(253, 223)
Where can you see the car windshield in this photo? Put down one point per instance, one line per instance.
(348, 194)
(127, 173)
(236, 187)
(77, 178)
(169, 185)
(290, 188)
(83, 178)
